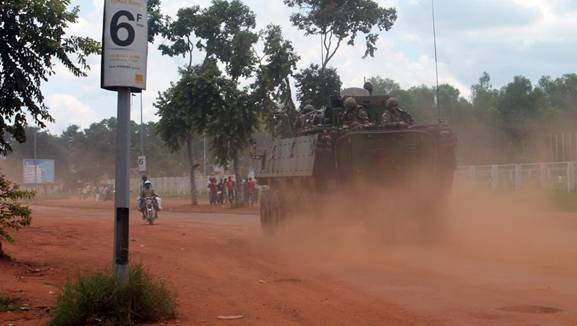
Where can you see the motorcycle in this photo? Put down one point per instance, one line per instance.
(149, 212)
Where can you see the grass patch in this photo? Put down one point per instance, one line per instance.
(8, 303)
(99, 299)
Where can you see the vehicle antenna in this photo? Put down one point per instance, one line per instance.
(436, 62)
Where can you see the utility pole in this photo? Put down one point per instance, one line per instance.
(124, 68)
(141, 128)
(36, 160)
(436, 60)
(122, 190)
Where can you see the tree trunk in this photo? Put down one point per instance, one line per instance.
(193, 192)
(236, 176)
(2, 254)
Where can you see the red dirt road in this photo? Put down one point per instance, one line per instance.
(518, 272)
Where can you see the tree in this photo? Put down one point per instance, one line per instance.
(234, 123)
(155, 19)
(384, 86)
(204, 97)
(180, 33)
(12, 214)
(315, 85)
(484, 97)
(223, 31)
(185, 111)
(32, 38)
(517, 106)
(336, 21)
(272, 88)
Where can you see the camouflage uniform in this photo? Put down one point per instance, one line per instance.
(304, 117)
(393, 117)
(355, 116)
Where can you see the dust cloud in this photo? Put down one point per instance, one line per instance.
(520, 229)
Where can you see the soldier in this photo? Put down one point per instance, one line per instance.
(355, 116)
(303, 117)
(394, 117)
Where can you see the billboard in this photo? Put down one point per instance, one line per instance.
(124, 45)
(38, 171)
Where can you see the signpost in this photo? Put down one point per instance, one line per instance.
(142, 163)
(123, 69)
(38, 171)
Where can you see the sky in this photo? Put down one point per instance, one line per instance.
(505, 38)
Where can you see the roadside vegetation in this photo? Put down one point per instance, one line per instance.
(98, 298)
(8, 303)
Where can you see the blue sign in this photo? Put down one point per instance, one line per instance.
(38, 171)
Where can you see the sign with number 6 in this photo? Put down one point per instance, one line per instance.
(124, 45)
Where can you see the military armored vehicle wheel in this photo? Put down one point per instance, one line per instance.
(271, 211)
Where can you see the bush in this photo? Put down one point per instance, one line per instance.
(98, 298)
(12, 214)
(8, 303)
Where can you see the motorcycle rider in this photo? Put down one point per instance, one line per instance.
(139, 198)
(147, 191)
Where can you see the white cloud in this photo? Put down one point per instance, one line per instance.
(531, 37)
(68, 110)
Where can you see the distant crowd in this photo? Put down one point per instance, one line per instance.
(225, 190)
(101, 192)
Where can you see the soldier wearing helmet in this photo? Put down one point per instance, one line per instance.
(303, 116)
(394, 116)
(355, 117)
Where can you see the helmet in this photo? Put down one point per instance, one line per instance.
(308, 108)
(392, 102)
(147, 183)
(369, 87)
(350, 103)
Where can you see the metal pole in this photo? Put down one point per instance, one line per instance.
(436, 60)
(35, 160)
(121, 214)
(141, 128)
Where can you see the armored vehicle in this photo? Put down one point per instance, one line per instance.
(330, 156)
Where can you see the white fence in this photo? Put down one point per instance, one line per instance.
(559, 175)
(172, 185)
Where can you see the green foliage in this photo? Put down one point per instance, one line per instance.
(99, 298)
(32, 38)
(180, 33)
(234, 121)
(83, 155)
(342, 20)
(315, 85)
(207, 100)
(272, 89)
(13, 215)
(224, 31)
(384, 86)
(155, 19)
(502, 125)
(8, 303)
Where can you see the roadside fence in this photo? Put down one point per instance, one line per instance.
(515, 177)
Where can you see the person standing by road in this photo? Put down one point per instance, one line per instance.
(221, 192)
(212, 191)
(230, 188)
(251, 190)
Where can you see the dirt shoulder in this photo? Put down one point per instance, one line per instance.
(216, 269)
